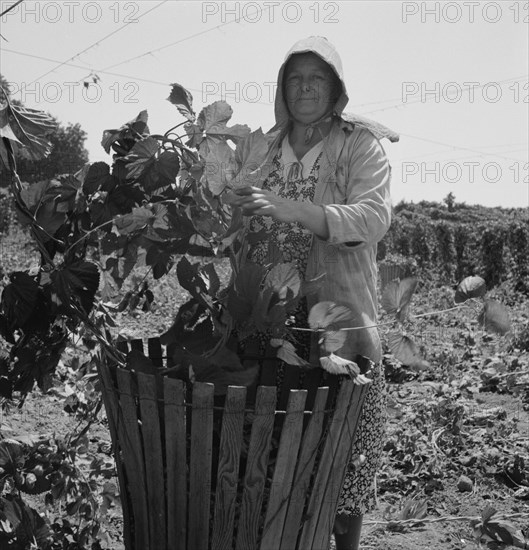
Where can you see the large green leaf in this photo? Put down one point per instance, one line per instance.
(11, 455)
(140, 157)
(168, 165)
(470, 287)
(494, 317)
(287, 353)
(250, 154)
(338, 365)
(327, 314)
(19, 299)
(29, 528)
(397, 296)
(183, 100)
(405, 350)
(67, 194)
(26, 129)
(213, 120)
(127, 134)
(136, 220)
(94, 177)
(78, 283)
(39, 199)
(284, 279)
(220, 164)
(331, 317)
(243, 295)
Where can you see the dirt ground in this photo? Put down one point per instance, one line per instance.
(43, 414)
(465, 414)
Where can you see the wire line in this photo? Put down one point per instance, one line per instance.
(96, 43)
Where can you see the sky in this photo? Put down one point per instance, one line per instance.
(450, 77)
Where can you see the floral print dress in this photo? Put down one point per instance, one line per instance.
(291, 243)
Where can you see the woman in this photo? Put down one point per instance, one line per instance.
(323, 196)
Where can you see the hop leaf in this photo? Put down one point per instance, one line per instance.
(78, 282)
(470, 287)
(19, 299)
(25, 129)
(397, 296)
(287, 353)
(182, 100)
(494, 317)
(406, 351)
(338, 365)
(127, 135)
(328, 315)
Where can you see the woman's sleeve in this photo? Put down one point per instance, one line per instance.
(366, 216)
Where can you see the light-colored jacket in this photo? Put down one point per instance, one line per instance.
(353, 189)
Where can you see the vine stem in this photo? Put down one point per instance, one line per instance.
(181, 146)
(437, 312)
(411, 521)
(81, 239)
(344, 328)
(379, 324)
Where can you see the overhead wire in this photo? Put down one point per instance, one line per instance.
(11, 7)
(399, 103)
(97, 42)
(179, 41)
(457, 147)
(119, 75)
(150, 52)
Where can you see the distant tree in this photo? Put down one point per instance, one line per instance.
(67, 156)
(450, 201)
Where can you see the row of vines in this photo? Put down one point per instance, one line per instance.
(498, 251)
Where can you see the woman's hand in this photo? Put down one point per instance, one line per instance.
(262, 202)
(253, 200)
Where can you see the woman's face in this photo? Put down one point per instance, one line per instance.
(309, 84)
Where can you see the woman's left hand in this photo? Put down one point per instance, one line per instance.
(254, 200)
(262, 202)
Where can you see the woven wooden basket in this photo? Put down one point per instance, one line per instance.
(199, 474)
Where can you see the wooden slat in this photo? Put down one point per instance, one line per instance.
(154, 348)
(137, 344)
(325, 465)
(281, 490)
(129, 436)
(228, 469)
(155, 353)
(305, 465)
(200, 466)
(290, 382)
(311, 383)
(175, 452)
(269, 366)
(152, 445)
(255, 475)
(340, 462)
(111, 402)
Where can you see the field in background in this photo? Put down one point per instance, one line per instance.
(458, 431)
